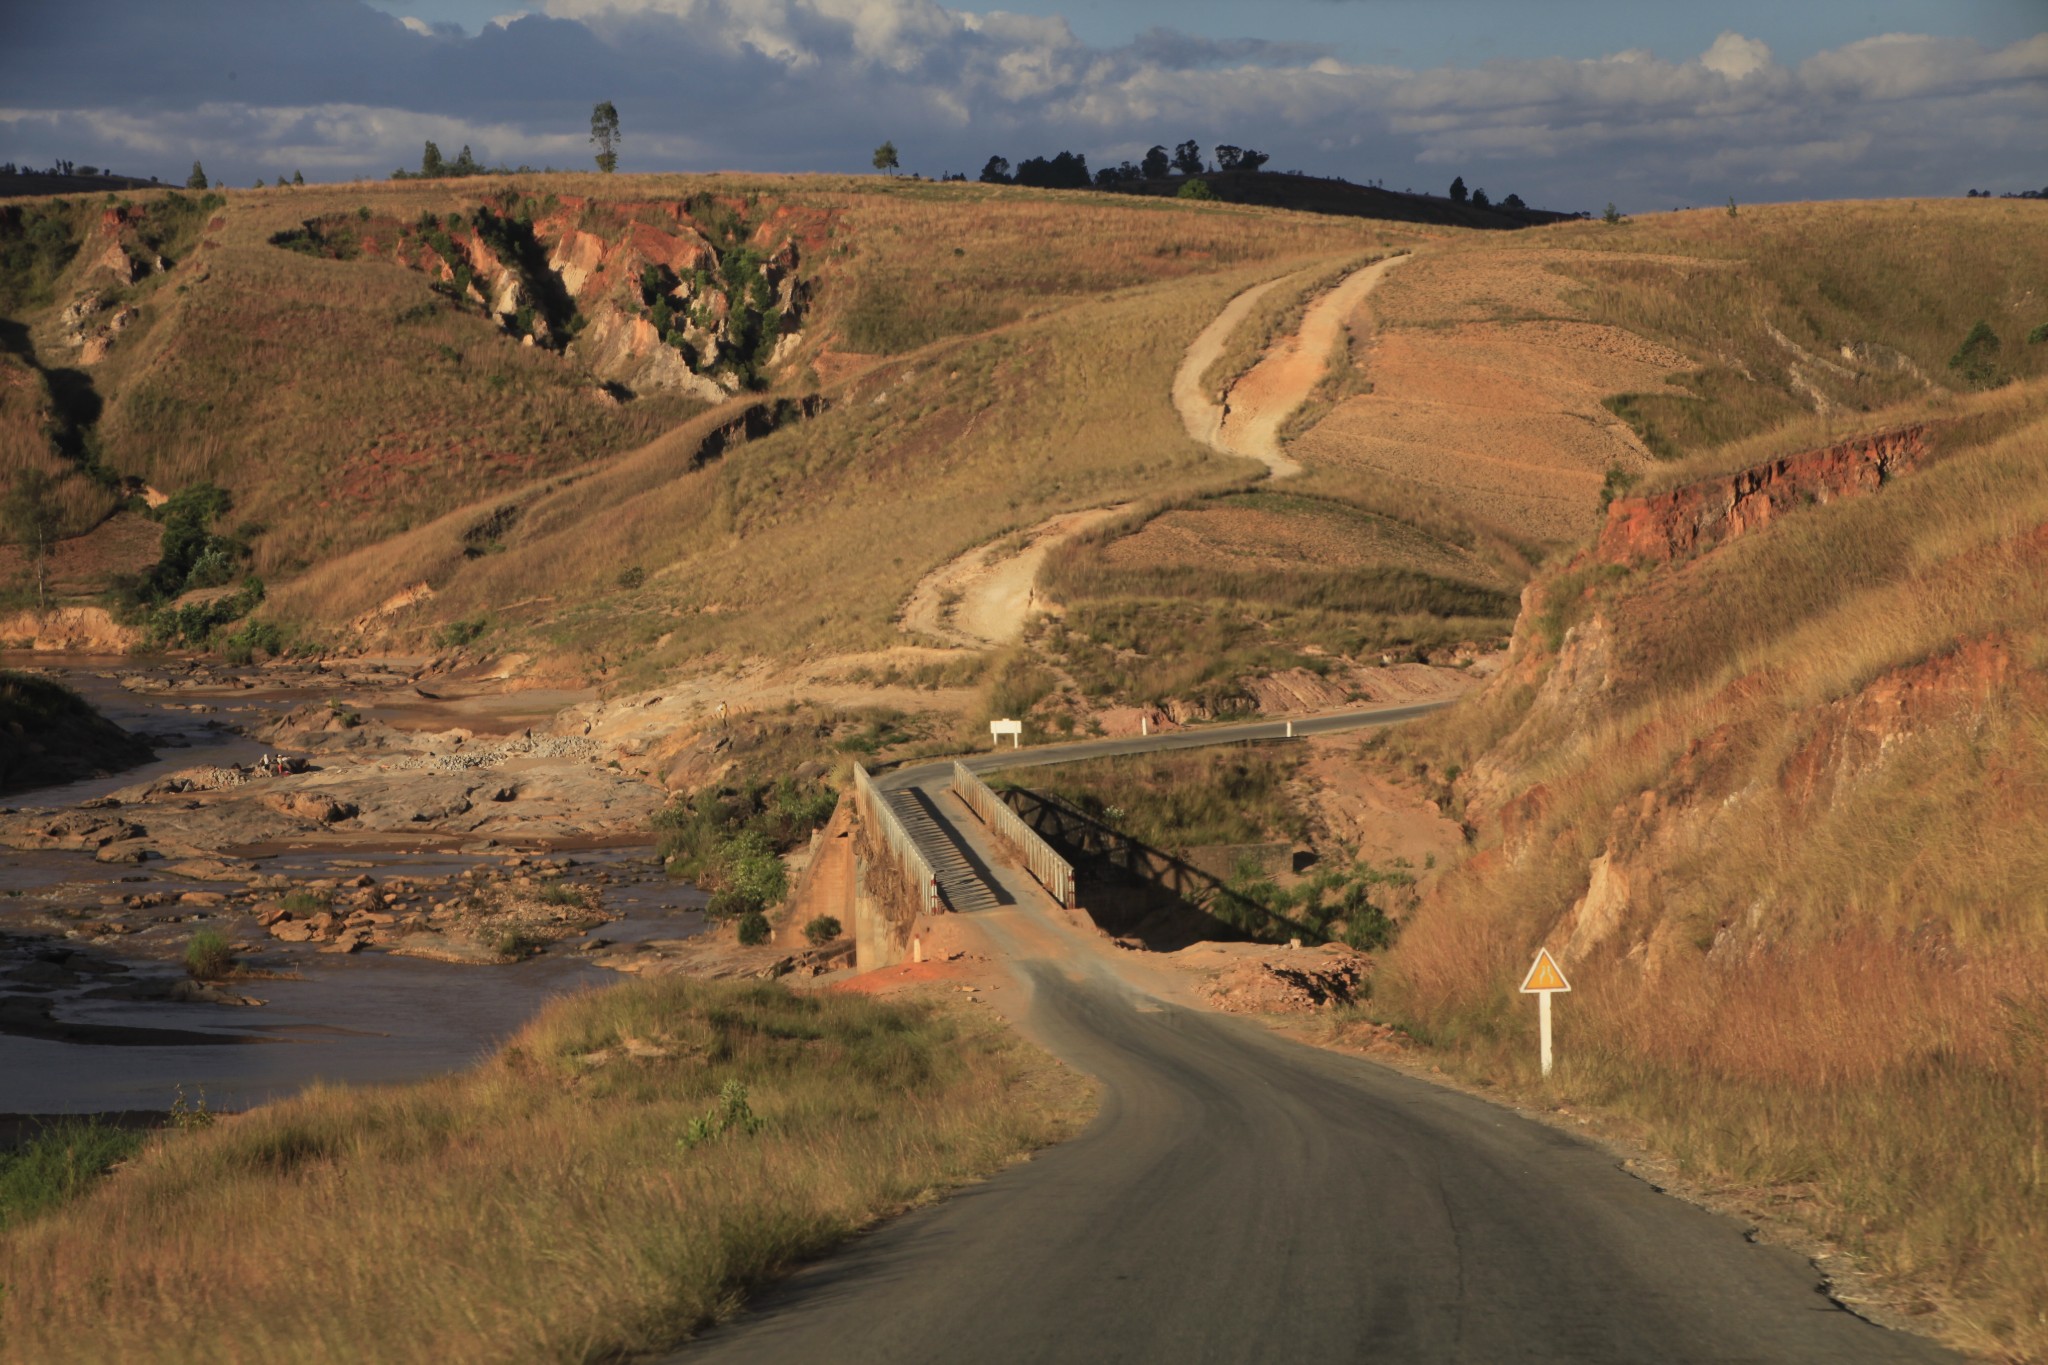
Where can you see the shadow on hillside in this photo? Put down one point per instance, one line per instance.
(1135, 891)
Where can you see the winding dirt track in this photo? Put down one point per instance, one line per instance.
(976, 601)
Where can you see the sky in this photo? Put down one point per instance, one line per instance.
(1649, 104)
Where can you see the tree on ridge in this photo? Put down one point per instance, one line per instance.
(604, 134)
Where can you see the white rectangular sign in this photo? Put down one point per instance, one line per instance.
(1013, 728)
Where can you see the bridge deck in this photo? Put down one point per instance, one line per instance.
(963, 882)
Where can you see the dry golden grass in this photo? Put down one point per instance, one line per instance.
(814, 536)
(1511, 371)
(543, 1207)
(369, 436)
(1801, 310)
(1816, 760)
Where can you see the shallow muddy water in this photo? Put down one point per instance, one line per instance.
(360, 1018)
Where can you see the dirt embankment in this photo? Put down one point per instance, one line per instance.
(1699, 516)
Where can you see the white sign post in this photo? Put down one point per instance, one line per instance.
(1543, 981)
(1013, 728)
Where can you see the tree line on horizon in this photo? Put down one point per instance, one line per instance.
(1069, 170)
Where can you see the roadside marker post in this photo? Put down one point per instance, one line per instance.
(1543, 981)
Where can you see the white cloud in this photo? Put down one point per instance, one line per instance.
(815, 84)
(1736, 57)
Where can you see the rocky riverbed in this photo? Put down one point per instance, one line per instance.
(401, 874)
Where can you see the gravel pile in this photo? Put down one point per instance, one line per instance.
(490, 755)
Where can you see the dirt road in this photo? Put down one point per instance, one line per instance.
(985, 596)
(1249, 420)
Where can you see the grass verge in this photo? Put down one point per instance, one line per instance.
(577, 1197)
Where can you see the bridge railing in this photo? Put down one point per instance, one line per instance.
(1054, 873)
(874, 808)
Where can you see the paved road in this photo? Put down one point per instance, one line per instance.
(1241, 1198)
(936, 775)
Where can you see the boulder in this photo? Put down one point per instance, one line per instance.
(313, 806)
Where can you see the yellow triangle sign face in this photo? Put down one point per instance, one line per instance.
(1544, 975)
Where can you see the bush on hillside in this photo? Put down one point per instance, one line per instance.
(1976, 360)
(731, 842)
(1333, 904)
(754, 930)
(1195, 189)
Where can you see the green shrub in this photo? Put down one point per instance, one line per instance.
(1615, 485)
(753, 929)
(208, 956)
(732, 1114)
(1976, 360)
(822, 930)
(59, 1163)
(519, 943)
(731, 841)
(303, 904)
(751, 866)
(2038, 335)
(253, 638)
(1196, 189)
(561, 893)
(1333, 904)
(456, 634)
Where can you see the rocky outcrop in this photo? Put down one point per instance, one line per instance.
(1855, 735)
(625, 349)
(1689, 520)
(649, 296)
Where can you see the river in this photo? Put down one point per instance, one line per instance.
(362, 1018)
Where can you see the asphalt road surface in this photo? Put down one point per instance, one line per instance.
(924, 774)
(1244, 1198)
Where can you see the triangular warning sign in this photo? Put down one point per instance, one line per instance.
(1544, 975)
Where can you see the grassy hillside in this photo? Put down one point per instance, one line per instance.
(1519, 377)
(340, 363)
(1777, 807)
